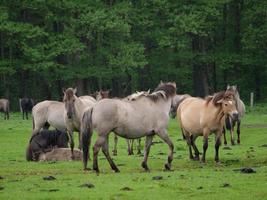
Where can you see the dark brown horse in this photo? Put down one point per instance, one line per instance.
(26, 105)
(44, 142)
(4, 107)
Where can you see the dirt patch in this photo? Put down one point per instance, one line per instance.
(49, 178)
(246, 170)
(157, 178)
(255, 125)
(87, 185)
(264, 145)
(126, 189)
(226, 185)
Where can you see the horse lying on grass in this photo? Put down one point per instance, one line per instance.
(61, 154)
(44, 142)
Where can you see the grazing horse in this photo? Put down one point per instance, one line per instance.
(26, 105)
(4, 107)
(201, 117)
(74, 108)
(146, 116)
(176, 101)
(48, 113)
(44, 141)
(229, 122)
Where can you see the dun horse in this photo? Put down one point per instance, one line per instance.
(146, 116)
(74, 108)
(4, 107)
(230, 123)
(48, 113)
(26, 105)
(202, 117)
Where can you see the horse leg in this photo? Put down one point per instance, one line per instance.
(71, 141)
(205, 146)
(238, 131)
(98, 144)
(193, 139)
(26, 112)
(129, 146)
(139, 146)
(23, 114)
(188, 141)
(105, 151)
(224, 136)
(115, 145)
(148, 143)
(132, 143)
(164, 136)
(217, 146)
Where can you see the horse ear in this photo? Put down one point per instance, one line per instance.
(74, 90)
(63, 90)
(228, 86)
(219, 101)
(174, 84)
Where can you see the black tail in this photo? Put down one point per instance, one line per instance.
(86, 131)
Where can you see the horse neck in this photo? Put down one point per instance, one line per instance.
(218, 114)
(78, 108)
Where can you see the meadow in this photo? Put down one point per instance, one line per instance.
(20, 179)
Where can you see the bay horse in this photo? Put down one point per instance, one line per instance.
(147, 115)
(4, 107)
(74, 108)
(201, 117)
(44, 142)
(26, 105)
(176, 101)
(229, 122)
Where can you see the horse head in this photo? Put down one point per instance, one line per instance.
(69, 101)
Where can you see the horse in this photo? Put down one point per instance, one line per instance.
(73, 110)
(44, 141)
(26, 105)
(176, 102)
(201, 117)
(147, 115)
(4, 107)
(61, 154)
(48, 113)
(229, 122)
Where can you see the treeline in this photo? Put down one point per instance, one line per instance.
(125, 46)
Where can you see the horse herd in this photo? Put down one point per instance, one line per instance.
(142, 114)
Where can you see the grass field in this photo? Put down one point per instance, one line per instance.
(188, 180)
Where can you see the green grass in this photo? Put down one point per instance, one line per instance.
(24, 180)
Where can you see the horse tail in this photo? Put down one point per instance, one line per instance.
(20, 107)
(33, 124)
(29, 155)
(86, 131)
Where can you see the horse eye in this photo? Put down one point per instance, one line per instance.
(226, 104)
(73, 100)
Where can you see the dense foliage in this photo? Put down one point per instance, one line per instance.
(131, 45)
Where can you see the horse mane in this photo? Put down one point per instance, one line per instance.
(163, 91)
(218, 96)
(137, 95)
(69, 93)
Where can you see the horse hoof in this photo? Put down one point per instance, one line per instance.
(117, 170)
(167, 167)
(144, 165)
(196, 158)
(87, 169)
(233, 142)
(225, 143)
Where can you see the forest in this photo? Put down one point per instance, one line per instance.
(128, 46)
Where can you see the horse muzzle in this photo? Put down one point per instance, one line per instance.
(234, 116)
(69, 116)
